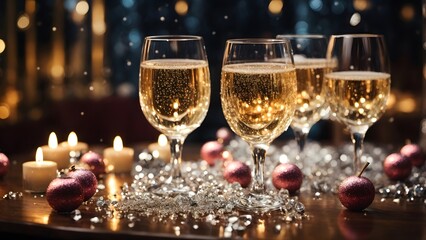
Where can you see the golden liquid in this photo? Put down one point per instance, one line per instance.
(258, 99)
(358, 98)
(310, 93)
(174, 94)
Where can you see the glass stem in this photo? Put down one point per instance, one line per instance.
(300, 136)
(259, 156)
(176, 145)
(358, 141)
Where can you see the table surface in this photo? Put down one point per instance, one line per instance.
(31, 215)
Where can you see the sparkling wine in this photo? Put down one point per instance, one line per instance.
(258, 99)
(310, 92)
(174, 94)
(358, 98)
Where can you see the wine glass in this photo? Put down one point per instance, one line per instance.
(174, 93)
(311, 66)
(258, 96)
(358, 85)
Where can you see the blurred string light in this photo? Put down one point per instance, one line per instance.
(362, 5)
(128, 3)
(181, 7)
(82, 8)
(23, 21)
(275, 6)
(2, 45)
(316, 5)
(4, 111)
(407, 13)
(355, 19)
(337, 7)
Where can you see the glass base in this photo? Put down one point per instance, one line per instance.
(172, 186)
(260, 203)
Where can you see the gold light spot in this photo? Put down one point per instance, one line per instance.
(2, 45)
(275, 6)
(406, 105)
(4, 111)
(181, 7)
(407, 13)
(361, 5)
(23, 21)
(82, 7)
(57, 71)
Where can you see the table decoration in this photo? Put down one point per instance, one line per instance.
(4, 165)
(39, 173)
(76, 148)
(56, 153)
(65, 194)
(94, 162)
(161, 148)
(86, 178)
(118, 159)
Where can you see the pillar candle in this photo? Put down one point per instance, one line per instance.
(56, 153)
(76, 149)
(118, 159)
(160, 149)
(38, 174)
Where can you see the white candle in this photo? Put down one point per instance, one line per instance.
(118, 159)
(161, 149)
(56, 153)
(74, 145)
(38, 174)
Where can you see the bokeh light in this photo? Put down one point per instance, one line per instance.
(275, 6)
(82, 7)
(2, 45)
(23, 21)
(181, 7)
(407, 13)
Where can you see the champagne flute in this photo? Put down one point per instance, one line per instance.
(311, 66)
(174, 93)
(358, 85)
(258, 96)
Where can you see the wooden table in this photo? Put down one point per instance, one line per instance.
(30, 215)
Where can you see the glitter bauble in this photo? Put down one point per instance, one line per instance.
(397, 167)
(224, 135)
(94, 162)
(212, 151)
(415, 153)
(87, 180)
(4, 164)
(236, 171)
(64, 194)
(287, 176)
(356, 193)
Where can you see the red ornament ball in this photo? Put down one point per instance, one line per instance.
(287, 176)
(236, 171)
(415, 153)
(65, 194)
(4, 164)
(212, 151)
(397, 167)
(87, 180)
(94, 162)
(356, 193)
(224, 135)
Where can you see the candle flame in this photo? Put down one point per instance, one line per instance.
(118, 143)
(39, 155)
(72, 139)
(53, 140)
(162, 140)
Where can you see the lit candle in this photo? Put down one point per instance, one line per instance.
(118, 159)
(75, 148)
(55, 152)
(38, 174)
(161, 149)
